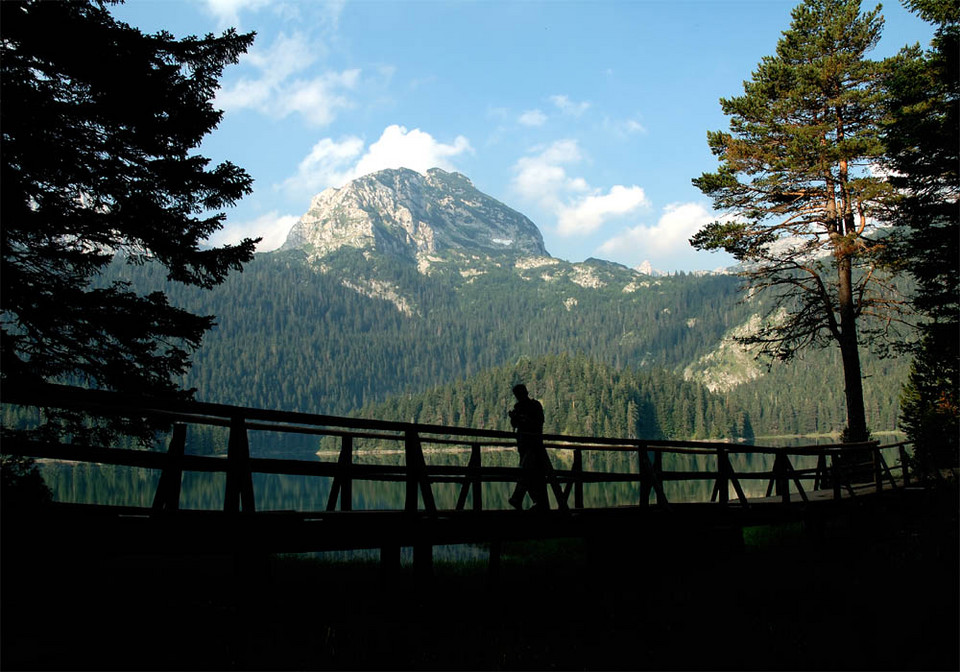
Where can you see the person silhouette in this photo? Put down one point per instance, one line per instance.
(527, 419)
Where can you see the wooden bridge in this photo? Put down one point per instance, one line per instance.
(811, 494)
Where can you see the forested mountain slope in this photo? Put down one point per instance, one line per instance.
(403, 294)
(580, 396)
(295, 336)
(292, 337)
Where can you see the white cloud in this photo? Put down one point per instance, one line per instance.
(567, 106)
(667, 238)
(288, 55)
(324, 14)
(228, 11)
(329, 164)
(532, 118)
(277, 91)
(417, 150)
(272, 227)
(588, 214)
(329, 11)
(542, 178)
(332, 163)
(624, 128)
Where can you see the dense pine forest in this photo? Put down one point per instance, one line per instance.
(603, 360)
(579, 396)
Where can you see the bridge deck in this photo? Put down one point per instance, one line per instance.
(240, 525)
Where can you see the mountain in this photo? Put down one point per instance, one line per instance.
(408, 294)
(379, 233)
(731, 363)
(405, 214)
(647, 268)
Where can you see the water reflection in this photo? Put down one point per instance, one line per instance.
(128, 486)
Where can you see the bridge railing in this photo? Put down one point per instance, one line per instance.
(843, 468)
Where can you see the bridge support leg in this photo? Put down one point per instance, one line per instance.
(493, 569)
(423, 562)
(239, 490)
(167, 496)
(389, 565)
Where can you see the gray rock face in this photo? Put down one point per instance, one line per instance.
(403, 213)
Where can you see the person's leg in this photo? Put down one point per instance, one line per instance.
(537, 479)
(520, 491)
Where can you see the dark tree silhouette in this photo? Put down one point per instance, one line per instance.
(923, 140)
(100, 127)
(794, 178)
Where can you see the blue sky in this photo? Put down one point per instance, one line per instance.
(589, 117)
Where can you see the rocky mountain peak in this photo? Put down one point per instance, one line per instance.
(403, 213)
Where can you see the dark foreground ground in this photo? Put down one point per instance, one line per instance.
(877, 590)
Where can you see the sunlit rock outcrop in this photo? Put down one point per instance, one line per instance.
(406, 214)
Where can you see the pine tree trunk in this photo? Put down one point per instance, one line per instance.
(850, 355)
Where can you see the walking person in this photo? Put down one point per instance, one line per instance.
(526, 418)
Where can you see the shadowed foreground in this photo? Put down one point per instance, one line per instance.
(875, 590)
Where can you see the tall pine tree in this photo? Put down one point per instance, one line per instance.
(923, 139)
(100, 127)
(795, 186)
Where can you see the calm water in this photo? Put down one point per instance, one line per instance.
(101, 484)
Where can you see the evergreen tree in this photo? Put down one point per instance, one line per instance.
(100, 126)
(794, 180)
(923, 137)
(580, 396)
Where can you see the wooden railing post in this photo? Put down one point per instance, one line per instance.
(412, 455)
(882, 469)
(877, 468)
(821, 474)
(167, 496)
(836, 474)
(658, 477)
(552, 481)
(417, 479)
(905, 472)
(239, 491)
(578, 475)
(726, 476)
(343, 482)
(476, 481)
(780, 465)
(472, 482)
(721, 488)
(646, 477)
(650, 477)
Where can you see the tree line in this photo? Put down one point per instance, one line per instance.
(580, 396)
(100, 136)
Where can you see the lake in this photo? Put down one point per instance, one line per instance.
(129, 486)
